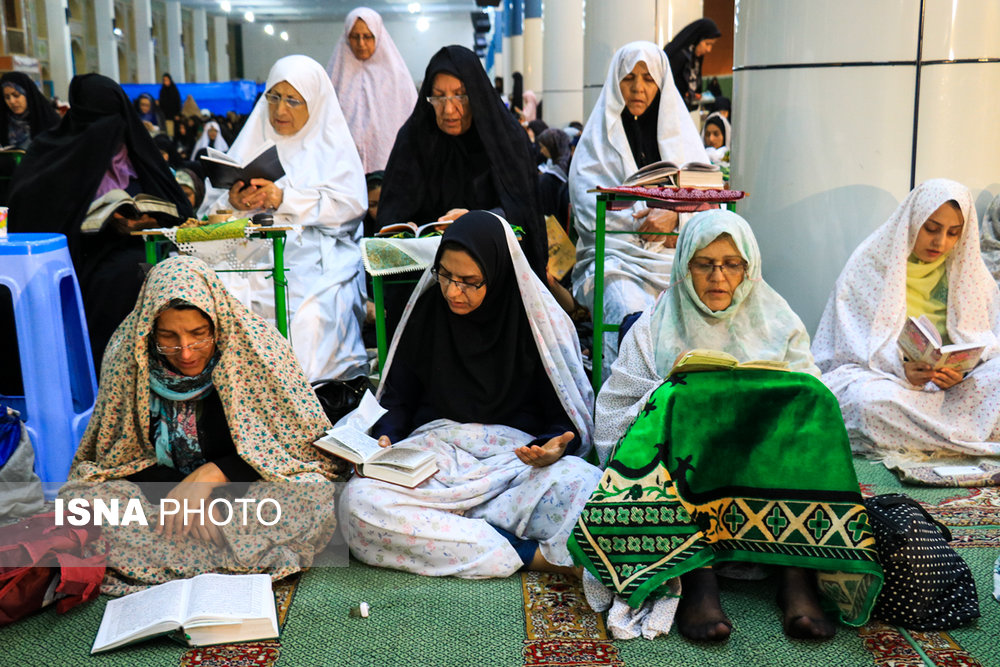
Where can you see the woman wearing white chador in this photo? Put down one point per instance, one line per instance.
(323, 190)
(373, 84)
(485, 372)
(639, 119)
(924, 260)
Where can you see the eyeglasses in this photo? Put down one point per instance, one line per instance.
(170, 350)
(361, 38)
(441, 100)
(463, 287)
(730, 268)
(275, 98)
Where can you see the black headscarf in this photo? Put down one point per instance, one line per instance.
(430, 172)
(717, 122)
(476, 367)
(40, 114)
(170, 98)
(517, 92)
(59, 175)
(684, 65)
(641, 133)
(556, 142)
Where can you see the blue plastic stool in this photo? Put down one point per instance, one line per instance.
(56, 365)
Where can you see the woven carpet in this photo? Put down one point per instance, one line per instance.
(540, 620)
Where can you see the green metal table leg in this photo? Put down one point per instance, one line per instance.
(280, 285)
(597, 353)
(380, 338)
(150, 249)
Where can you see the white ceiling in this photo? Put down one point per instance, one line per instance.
(327, 10)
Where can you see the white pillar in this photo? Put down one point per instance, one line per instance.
(533, 56)
(199, 42)
(60, 54)
(145, 62)
(562, 70)
(175, 46)
(829, 136)
(221, 56)
(608, 28)
(107, 43)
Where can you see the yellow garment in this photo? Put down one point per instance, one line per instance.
(927, 292)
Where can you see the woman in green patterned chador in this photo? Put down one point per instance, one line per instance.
(707, 469)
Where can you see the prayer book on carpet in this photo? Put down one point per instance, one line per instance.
(687, 175)
(223, 171)
(396, 465)
(132, 208)
(201, 611)
(920, 341)
(716, 360)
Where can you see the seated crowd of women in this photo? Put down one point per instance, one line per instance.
(697, 471)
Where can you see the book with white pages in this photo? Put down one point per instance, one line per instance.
(394, 464)
(201, 611)
(223, 170)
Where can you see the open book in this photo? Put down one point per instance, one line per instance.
(222, 170)
(716, 360)
(207, 609)
(410, 230)
(920, 341)
(397, 465)
(133, 208)
(687, 175)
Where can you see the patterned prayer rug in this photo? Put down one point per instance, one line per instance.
(890, 648)
(560, 627)
(249, 654)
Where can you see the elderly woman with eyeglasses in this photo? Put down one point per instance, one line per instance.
(485, 372)
(198, 393)
(323, 190)
(373, 84)
(704, 469)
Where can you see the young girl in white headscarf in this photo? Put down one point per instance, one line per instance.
(211, 136)
(323, 190)
(638, 119)
(924, 260)
(373, 84)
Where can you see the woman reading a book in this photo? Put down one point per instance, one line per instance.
(709, 468)
(639, 119)
(485, 372)
(101, 145)
(198, 392)
(373, 85)
(923, 261)
(686, 52)
(322, 189)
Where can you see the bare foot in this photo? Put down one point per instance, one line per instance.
(799, 602)
(699, 613)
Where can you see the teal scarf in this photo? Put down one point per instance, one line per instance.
(174, 402)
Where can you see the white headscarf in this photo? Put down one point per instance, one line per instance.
(603, 156)
(758, 324)
(321, 152)
(553, 331)
(377, 95)
(718, 154)
(867, 309)
(219, 144)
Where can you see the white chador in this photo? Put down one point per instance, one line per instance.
(377, 95)
(324, 191)
(856, 343)
(635, 271)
